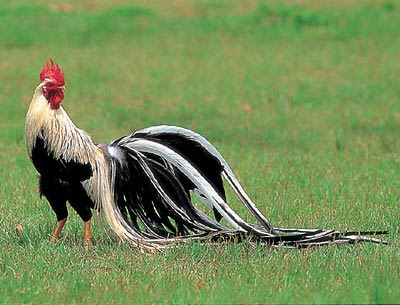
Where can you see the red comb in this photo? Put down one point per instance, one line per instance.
(53, 72)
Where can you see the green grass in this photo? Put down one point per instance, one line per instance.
(302, 98)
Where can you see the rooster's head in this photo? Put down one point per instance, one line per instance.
(54, 83)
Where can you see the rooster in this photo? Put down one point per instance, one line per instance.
(144, 183)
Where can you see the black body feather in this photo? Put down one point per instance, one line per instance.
(60, 181)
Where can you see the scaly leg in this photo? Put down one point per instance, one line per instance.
(86, 234)
(58, 229)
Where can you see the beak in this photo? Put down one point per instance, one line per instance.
(62, 88)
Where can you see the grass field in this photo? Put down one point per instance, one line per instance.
(301, 97)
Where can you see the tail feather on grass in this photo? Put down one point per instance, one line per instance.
(155, 171)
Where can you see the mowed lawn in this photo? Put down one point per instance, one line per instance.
(301, 97)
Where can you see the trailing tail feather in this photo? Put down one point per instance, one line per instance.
(153, 172)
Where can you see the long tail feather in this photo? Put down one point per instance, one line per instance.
(182, 135)
(154, 172)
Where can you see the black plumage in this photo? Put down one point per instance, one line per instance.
(47, 164)
(60, 181)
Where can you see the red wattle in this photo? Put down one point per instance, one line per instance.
(54, 97)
